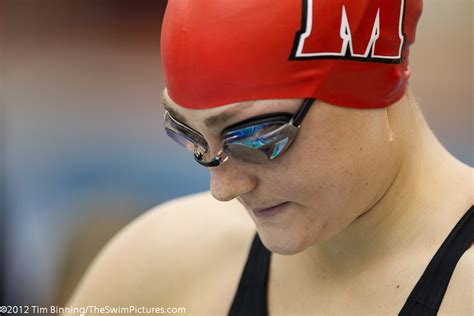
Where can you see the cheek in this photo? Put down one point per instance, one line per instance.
(340, 170)
(335, 173)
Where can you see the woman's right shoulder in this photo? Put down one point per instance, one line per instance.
(162, 253)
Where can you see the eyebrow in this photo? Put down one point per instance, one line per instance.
(210, 122)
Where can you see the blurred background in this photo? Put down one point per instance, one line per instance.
(82, 151)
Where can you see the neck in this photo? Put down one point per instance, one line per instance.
(393, 221)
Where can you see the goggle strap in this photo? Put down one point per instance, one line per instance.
(299, 116)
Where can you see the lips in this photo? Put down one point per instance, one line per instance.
(270, 211)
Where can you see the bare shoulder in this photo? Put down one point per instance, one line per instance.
(458, 296)
(170, 252)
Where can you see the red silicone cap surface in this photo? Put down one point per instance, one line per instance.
(347, 53)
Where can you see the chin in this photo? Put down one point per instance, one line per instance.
(284, 243)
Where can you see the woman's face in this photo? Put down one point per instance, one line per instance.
(339, 165)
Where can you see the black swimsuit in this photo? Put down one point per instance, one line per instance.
(424, 300)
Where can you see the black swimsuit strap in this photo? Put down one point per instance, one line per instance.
(251, 297)
(425, 298)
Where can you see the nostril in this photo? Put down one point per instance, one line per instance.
(220, 197)
(221, 189)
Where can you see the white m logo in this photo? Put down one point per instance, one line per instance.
(342, 29)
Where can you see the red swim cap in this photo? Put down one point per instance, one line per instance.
(347, 53)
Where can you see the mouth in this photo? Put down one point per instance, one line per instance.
(270, 211)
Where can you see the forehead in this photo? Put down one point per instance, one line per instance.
(226, 114)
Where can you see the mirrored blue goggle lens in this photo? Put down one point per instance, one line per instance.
(261, 154)
(250, 144)
(245, 153)
(251, 132)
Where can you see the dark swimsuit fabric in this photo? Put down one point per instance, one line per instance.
(424, 300)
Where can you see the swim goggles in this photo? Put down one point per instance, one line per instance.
(257, 140)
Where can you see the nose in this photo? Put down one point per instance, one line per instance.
(231, 180)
